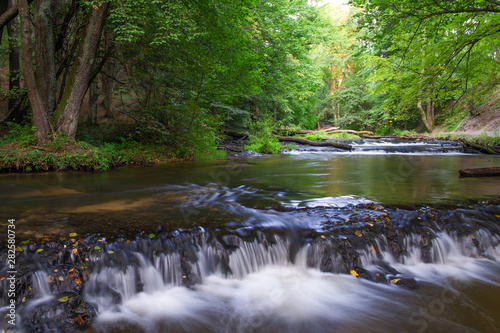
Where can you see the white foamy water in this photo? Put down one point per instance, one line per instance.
(265, 291)
(329, 202)
(287, 298)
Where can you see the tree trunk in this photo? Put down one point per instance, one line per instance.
(40, 120)
(45, 70)
(3, 8)
(93, 96)
(14, 68)
(275, 110)
(113, 70)
(427, 114)
(7, 14)
(80, 75)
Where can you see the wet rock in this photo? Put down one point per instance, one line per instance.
(362, 273)
(349, 255)
(404, 282)
(66, 312)
(395, 243)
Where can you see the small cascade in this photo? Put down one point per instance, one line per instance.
(41, 287)
(252, 256)
(199, 277)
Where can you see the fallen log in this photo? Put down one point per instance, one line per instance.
(314, 143)
(480, 172)
(328, 129)
(483, 149)
(360, 133)
(234, 134)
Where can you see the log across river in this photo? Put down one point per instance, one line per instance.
(386, 238)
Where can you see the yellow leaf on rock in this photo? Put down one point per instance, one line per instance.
(63, 299)
(394, 280)
(353, 272)
(73, 234)
(358, 233)
(61, 278)
(323, 236)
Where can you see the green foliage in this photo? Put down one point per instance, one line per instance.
(189, 133)
(487, 140)
(453, 118)
(81, 156)
(320, 136)
(261, 138)
(424, 54)
(405, 132)
(20, 134)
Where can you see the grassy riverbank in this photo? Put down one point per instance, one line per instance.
(19, 153)
(79, 156)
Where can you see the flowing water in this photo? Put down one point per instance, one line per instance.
(386, 238)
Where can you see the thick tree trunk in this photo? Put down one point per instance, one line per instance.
(314, 143)
(40, 120)
(80, 75)
(45, 71)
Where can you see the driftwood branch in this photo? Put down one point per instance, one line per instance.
(480, 172)
(314, 143)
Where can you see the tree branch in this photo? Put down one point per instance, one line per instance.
(9, 14)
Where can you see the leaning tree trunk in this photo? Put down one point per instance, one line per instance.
(40, 120)
(427, 114)
(3, 9)
(80, 76)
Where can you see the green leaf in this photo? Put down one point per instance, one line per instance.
(152, 235)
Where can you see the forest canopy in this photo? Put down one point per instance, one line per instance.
(176, 73)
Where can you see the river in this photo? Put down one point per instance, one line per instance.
(387, 238)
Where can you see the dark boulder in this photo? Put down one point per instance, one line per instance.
(66, 312)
